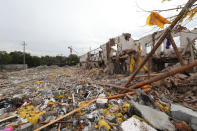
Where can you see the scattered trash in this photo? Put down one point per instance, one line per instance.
(8, 129)
(156, 19)
(39, 97)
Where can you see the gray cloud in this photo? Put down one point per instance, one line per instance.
(50, 26)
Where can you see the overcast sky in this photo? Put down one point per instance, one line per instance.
(50, 26)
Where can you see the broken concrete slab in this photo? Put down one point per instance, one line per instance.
(145, 99)
(182, 113)
(134, 124)
(158, 119)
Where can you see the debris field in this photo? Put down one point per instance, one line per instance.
(112, 89)
(71, 98)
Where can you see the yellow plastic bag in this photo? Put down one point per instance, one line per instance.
(52, 74)
(95, 70)
(163, 107)
(156, 19)
(103, 123)
(132, 64)
(139, 48)
(146, 86)
(38, 82)
(139, 63)
(29, 112)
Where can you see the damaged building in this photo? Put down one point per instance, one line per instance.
(89, 98)
(123, 54)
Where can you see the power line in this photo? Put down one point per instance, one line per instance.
(164, 10)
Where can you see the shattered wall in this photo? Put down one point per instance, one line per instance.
(104, 52)
(187, 34)
(149, 41)
(13, 66)
(125, 42)
(83, 58)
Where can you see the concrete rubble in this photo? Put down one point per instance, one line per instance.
(135, 124)
(146, 84)
(158, 119)
(34, 97)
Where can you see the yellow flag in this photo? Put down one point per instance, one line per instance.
(156, 19)
(140, 62)
(132, 64)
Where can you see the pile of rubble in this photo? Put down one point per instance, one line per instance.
(69, 98)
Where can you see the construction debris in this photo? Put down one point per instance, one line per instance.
(94, 96)
(135, 124)
(43, 97)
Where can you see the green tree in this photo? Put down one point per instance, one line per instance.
(73, 59)
(5, 58)
(17, 57)
(36, 61)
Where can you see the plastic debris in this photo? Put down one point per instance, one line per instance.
(44, 95)
(156, 19)
(30, 113)
(104, 125)
(8, 129)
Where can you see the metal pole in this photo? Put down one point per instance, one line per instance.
(176, 50)
(165, 75)
(24, 55)
(162, 37)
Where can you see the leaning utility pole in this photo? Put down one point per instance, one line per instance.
(24, 44)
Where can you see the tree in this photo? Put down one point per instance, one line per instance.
(36, 61)
(17, 57)
(73, 59)
(5, 58)
(60, 60)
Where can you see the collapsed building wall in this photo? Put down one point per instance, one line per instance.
(165, 55)
(117, 54)
(83, 60)
(125, 42)
(192, 35)
(92, 59)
